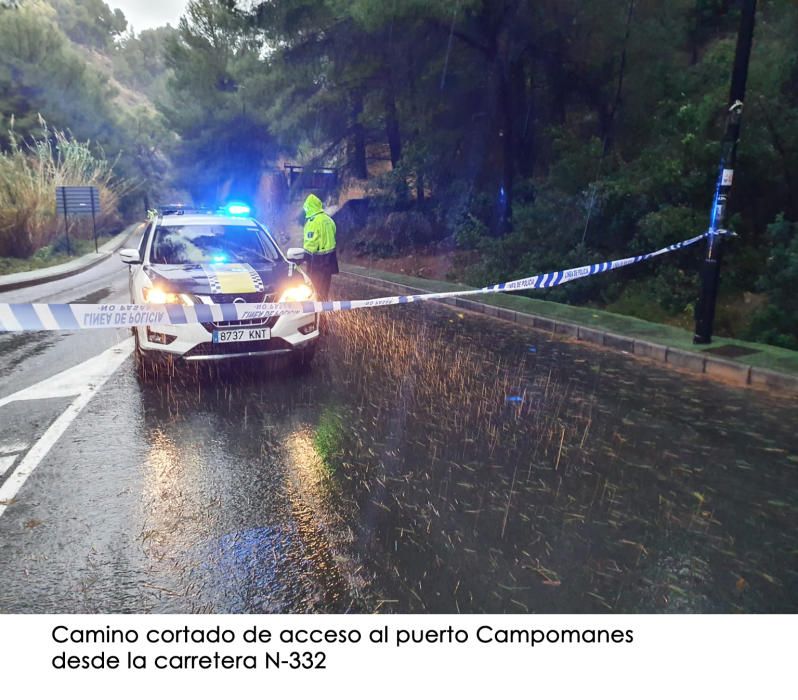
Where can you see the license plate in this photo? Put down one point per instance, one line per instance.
(241, 335)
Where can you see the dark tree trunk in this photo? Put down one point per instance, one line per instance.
(558, 84)
(412, 78)
(526, 154)
(357, 157)
(616, 104)
(507, 152)
(392, 131)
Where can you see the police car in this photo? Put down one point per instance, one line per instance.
(189, 257)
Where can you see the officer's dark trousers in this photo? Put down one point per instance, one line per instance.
(321, 283)
(321, 267)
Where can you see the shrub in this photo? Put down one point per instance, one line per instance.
(29, 173)
(394, 233)
(410, 227)
(471, 233)
(777, 322)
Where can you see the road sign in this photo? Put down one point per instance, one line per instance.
(77, 200)
(80, 200)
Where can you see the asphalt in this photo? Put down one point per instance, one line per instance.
(432, 460)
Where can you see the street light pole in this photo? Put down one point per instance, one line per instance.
(710, 268)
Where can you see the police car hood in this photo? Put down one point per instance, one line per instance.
(221, 278)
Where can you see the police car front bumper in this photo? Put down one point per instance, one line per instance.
(194, 342)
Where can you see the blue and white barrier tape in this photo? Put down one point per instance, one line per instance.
(66, 317)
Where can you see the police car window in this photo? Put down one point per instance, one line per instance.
(204, 244)
(144, 238)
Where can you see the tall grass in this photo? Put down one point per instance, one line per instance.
(30, 170)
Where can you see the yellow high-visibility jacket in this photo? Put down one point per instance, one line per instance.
(319, 227)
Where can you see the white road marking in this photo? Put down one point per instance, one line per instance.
(77, 379)
(7, 448)
(5, 462)
(85, 380)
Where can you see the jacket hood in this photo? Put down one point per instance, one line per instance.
(312, 206)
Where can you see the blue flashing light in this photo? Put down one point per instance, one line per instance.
(219, 258)
(238, 209)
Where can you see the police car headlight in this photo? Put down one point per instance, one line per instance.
(297, 292)
(155, 295)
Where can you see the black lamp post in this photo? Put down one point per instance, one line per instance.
(710, 269)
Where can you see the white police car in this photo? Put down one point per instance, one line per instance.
(200, 258)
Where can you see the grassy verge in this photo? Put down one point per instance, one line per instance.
(49, 255)
(765, 356)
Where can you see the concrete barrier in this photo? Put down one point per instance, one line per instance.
(765, 378)
(468, 304)
(699, 363)
(506, 314)
(686, 360)
(545, 324)
(591, 335)
(570, 329)
(526, 319)
(651, 350)
(732, 372)
(619, 342)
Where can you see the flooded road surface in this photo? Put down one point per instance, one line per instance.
(431, 461)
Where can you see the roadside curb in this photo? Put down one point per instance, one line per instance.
(31, 278)
(697, 363)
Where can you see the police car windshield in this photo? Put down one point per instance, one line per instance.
(201, 244)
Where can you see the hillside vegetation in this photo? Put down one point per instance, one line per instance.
(72, 114)
(529, 136)
(508, 136)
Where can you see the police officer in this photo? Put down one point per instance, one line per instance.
(319, 244)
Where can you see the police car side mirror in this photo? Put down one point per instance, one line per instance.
(130, 256)
(296, 255)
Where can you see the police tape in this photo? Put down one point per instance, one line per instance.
(67, 317)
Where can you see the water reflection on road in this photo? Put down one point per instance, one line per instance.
(429, 461)
(435, 461)
(236, 507)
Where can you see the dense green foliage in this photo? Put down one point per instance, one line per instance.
(531, 135)
(215, 62)
(139, 61)
(41, 72)
(778, 321)
(69, 62)
(89, 22)
(538, 134)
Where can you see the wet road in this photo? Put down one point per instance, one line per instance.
(430, 461)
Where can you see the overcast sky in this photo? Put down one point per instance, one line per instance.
(146, 14)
